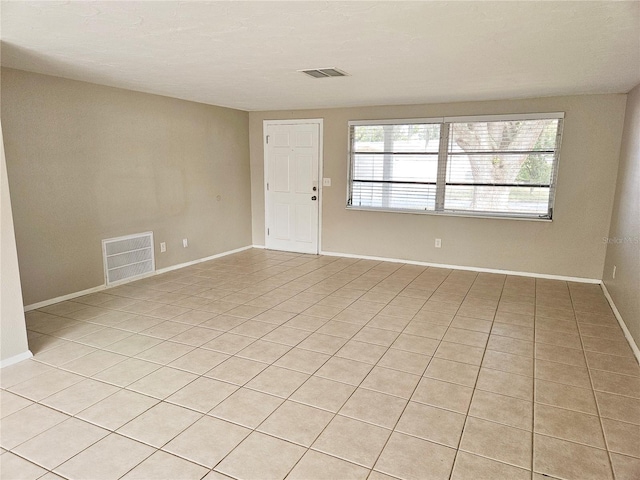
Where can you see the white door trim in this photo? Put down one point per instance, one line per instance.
(303, 121)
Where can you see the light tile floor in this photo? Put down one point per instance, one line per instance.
(266, 365)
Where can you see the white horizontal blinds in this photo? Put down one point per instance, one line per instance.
(502, 166)
(394, 166)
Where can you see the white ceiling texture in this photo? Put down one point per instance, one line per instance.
(246, 55)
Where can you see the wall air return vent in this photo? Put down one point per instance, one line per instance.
(129, 257)
(324, 72)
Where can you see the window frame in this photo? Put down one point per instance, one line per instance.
(443, 156)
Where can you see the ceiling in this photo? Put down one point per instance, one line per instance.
(246, 55)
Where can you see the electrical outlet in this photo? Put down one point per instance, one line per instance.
(185, 243)
(326, 182)
(163, 247)
(438, 242)
(614, 271)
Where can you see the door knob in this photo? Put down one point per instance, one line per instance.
(314, 198)
(315, 188)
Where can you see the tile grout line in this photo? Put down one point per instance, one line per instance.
(464, 426)
(203, 415)
(165, 400)
(425, 369)
(110, 431)
(408, 400)
(211, 416)
(135, 357)
(326, 320)
(103, 348)
(351, 337)
(346, 400)
(182, 431)
(593, 390)
(374, 365)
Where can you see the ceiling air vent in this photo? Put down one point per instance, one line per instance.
(324, 72)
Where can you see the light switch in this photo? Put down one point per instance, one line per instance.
(326, 182)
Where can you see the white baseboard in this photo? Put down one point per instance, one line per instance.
(70, 296)
(462, 267)
(623, 326)
(200, 260)
(16, 358)
(331, 254)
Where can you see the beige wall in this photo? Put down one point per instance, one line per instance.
(13, 341)
(571, 245)
(623, 251)
(88, 162)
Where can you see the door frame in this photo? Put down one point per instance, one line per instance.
(301, 121)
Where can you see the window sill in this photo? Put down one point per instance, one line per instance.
(452, 214)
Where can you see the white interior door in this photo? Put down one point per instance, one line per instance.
(292, 190)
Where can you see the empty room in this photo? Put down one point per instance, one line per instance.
(304, 240)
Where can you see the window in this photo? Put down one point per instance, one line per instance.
(502, 166)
